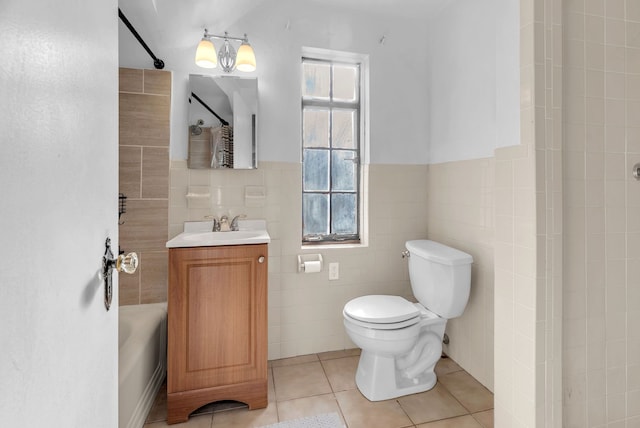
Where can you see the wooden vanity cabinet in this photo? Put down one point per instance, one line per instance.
(217, 327)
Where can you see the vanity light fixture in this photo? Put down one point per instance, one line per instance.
(207, 57)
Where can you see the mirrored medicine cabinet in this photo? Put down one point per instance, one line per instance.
(222, 122)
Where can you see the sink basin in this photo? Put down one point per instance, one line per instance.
(224, 237)
(214, 239)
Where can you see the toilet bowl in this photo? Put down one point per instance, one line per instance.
(397, 358)
(401, 341)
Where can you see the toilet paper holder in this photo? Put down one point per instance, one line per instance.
(308, 263)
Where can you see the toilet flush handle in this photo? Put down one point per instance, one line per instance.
(406, 253)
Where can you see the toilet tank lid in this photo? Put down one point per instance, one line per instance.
(439, 253)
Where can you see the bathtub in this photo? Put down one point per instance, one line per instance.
(142, 360)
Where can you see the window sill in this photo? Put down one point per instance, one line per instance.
(333, 246)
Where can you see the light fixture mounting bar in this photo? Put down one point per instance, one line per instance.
(227, 37)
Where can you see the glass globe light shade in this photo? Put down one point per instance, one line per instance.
(246, 59)
(206, 54)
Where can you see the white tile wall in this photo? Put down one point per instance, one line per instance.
(461, 214)
(528, 244)
(305, 310)
(601, 347)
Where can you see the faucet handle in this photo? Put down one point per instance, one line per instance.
(216, 223)
(234, 222)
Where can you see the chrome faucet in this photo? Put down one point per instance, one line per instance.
(224, 224)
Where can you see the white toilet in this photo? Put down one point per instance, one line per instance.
(401, 341)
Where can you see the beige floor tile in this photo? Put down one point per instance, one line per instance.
(459, 422)
(359, 412)
(485, 418)
(445, 366)
(302, 386)
(468, 391)
(341, 372)
(300, 380)
(339, 354)
(309, 406)
(431, 405)
(244, 418)
(302, 359)
(202, 421)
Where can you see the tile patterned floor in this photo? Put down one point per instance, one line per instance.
(325, 383)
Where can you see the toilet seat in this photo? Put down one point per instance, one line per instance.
(382, 312)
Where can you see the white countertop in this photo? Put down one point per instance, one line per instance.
(199, 234)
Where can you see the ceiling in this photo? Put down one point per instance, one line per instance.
(176, 26)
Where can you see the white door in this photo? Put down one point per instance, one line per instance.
(58, 204)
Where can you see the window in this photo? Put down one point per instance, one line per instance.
(331, 124)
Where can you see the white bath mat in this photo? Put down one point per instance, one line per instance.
(328, 420)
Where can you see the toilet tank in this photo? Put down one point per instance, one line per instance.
(440, 277)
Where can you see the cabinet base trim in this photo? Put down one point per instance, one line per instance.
(181, 404)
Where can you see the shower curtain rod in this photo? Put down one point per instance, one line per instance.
(224, 122)
(157, 62)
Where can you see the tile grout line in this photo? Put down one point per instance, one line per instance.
(333, 392)
(275, 394)
(405, 412)
(455, 398)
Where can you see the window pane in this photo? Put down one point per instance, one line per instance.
(330, 150)
(344, 213)
(315, 169)
(343, 128)
(343, 170)
(315, 123)
(315, 80)
(345, 82)
(315, 208)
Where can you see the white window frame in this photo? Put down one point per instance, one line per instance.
(363, 121)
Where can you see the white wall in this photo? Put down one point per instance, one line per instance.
(278, 30)
(474, 87)
(59, 173)
(444, 84)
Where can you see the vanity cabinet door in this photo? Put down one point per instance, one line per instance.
(217, 317)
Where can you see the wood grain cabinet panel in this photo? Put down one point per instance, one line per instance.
(217, 337)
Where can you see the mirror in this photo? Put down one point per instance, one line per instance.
(222, 122)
